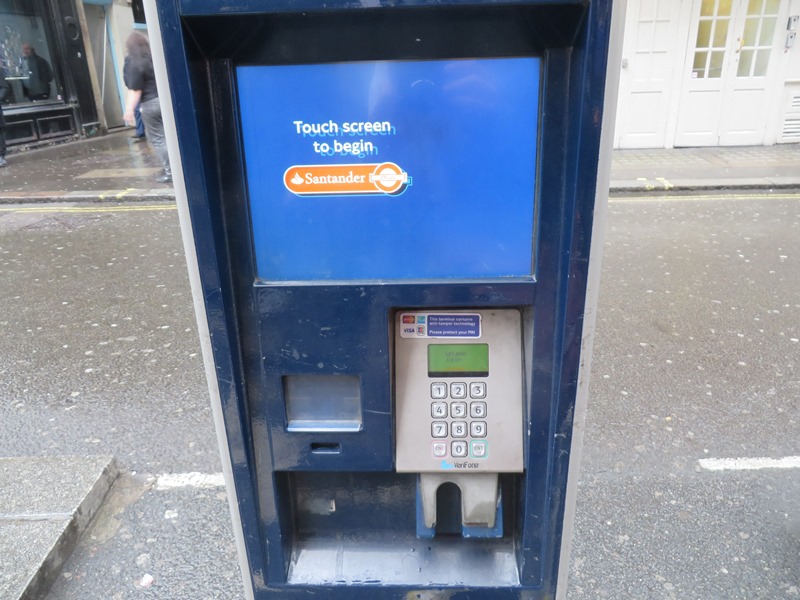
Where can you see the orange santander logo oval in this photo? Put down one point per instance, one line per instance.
(358, 179)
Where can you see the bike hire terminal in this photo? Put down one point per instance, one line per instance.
(388, 211)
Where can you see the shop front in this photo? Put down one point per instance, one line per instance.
(44, 59)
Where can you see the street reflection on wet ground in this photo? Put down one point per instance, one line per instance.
(115, 161)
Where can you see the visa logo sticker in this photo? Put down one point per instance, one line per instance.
(409, 330)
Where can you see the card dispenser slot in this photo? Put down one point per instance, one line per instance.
(326, 448)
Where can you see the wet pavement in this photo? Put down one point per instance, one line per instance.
(111, 167)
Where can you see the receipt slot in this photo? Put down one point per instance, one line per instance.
(388, 214)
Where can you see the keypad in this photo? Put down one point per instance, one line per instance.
(459, 411)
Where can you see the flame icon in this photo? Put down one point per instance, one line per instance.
(297, 180)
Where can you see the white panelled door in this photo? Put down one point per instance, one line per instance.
(651, 48)
(727, 79)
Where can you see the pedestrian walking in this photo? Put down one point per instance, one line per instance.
(139, 76)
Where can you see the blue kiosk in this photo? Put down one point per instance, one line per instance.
(388, 210)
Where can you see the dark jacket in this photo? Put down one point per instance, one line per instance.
(37, 86)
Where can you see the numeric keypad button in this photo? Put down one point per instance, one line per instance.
(439, 429)
(477, 389)
(458, 429)
(438, 391)
(458, 390)
(477, 429)
(458, 410)
(458, 449)
(439, 410)
(477, 410)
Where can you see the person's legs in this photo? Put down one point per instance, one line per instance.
(2, 145)
(151, 115)
(139, 123)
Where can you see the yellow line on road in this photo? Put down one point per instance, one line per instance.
(675, 197)
(87, 209)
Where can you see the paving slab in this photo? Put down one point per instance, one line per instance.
(47, 502)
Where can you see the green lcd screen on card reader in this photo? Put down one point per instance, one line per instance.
(458, 360)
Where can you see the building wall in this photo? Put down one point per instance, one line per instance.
(109, 22)
(693, 79)
(787, 125)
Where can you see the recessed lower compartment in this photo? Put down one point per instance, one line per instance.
(360, 529)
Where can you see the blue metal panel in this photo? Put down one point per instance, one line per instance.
(200, 181)
(212, 7)
(263, 332)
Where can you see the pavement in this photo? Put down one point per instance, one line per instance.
(116, 167)
(48, 502)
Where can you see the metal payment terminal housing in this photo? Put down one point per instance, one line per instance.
(458, 391)
(459, 410)
(346, 168)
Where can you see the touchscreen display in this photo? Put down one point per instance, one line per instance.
(391, 169)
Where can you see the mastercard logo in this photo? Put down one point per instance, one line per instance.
(338, 180)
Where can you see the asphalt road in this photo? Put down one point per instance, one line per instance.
(696, 357)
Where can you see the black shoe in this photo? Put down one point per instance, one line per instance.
(165, 178)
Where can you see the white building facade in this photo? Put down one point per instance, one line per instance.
(709, 73)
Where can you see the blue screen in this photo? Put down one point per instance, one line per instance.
(391, 169)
